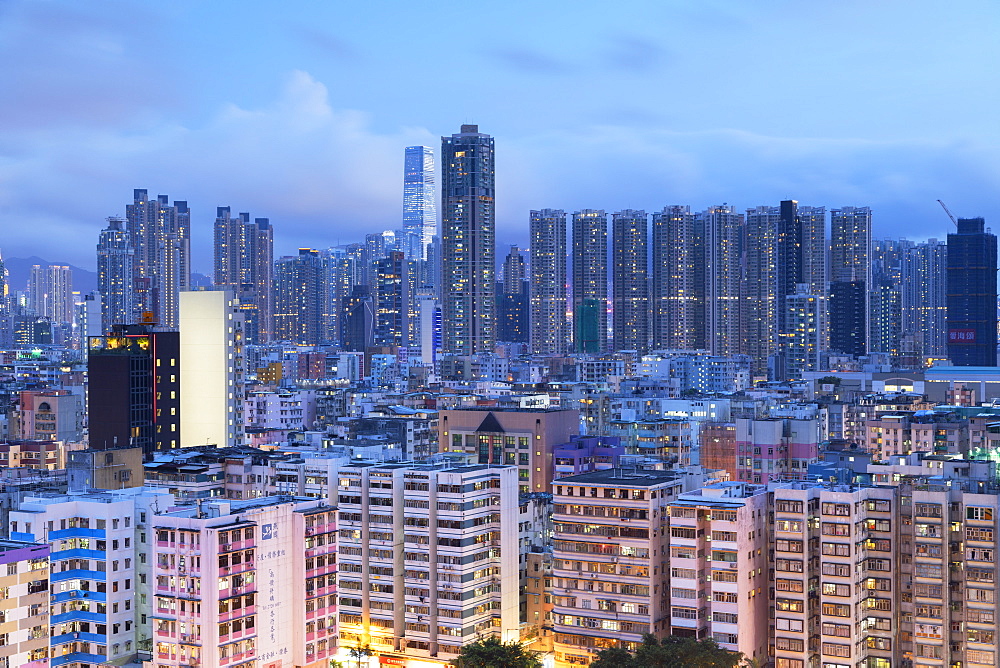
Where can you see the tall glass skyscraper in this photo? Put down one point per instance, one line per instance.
(972, 294)
(419, 211)
(468, 243)
(114, 276)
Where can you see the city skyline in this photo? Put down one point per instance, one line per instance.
(324, 155)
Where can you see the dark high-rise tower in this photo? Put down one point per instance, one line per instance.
(114, 275)
(468, 243)
(299, 298)
(357, 320)
(630, 280)
(134, 388)
(391, 300)
(244, 264)
(850, 278)
(512, 299)
(972, 294)
(723, 275)
(590, 281)
(548, 282)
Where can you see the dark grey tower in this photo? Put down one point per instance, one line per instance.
(468, 243)
(972, 294)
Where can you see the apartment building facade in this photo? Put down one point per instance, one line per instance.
(245, 584)
(428, 559)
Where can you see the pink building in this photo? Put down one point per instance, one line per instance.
(775, 449)
(245, 584)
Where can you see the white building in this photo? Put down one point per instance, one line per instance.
(100, 570)
(211, 368)
(428, 559)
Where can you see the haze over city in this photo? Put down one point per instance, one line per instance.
(301, 113)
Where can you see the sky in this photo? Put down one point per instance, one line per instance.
(300, 112)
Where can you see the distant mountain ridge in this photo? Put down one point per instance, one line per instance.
(19, 269)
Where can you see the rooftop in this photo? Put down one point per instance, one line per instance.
(618, 476)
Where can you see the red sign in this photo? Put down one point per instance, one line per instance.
(961, 336)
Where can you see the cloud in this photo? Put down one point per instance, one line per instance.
(81, 64)
(322, 175)
(329, 44)
(618, 167)
(632, 53)
(325, 174)
(529, 61)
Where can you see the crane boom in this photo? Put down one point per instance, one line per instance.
(955, 222)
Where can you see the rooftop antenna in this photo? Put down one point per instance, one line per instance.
(947, 211)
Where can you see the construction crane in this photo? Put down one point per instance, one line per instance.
(955, 222)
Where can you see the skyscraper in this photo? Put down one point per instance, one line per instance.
(630, 280)
(114, 275)
(850, 278)
(590, 281)
(244, 262)
(50, 292)
(419, 210)
(512, 299)
(468, 243)
(548, 282)
(678, 280)
(392, 301)
(160, 236)
(923, 273)
(723, 273)
(972, 294)
(299, 298)
(357, 320)
(760, 287)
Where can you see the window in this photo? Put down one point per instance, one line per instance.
(980, 656)
(788, 605)
(788, 546)
(836, 529)
(979, 513)
(838, 509)
(835, 589)
(788, 565)
(838, 570)
(878, 525)
(977, 533)
(783, 584)
(788, 506)
(978, 554)
(786, 624)
(788, 663)
(833, 649)
(836, 610)
(838, 630)
(837, 549)
(794, 526)
(788, 644)
(928, 509)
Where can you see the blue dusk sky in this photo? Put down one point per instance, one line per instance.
(300, 111)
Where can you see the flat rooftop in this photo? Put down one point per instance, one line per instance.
(619, 476)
